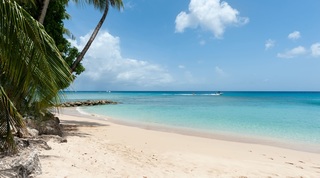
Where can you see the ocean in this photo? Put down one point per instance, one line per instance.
(283, 116)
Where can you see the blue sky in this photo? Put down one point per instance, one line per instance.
(232, 45)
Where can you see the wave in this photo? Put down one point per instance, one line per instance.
(208, 94)
(82, 112)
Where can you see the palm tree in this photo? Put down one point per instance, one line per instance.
(32, 70)
(44, 11)
(102, 5)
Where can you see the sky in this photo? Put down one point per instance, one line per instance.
(208, 45)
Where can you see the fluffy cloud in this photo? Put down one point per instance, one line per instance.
(269, 44)
(106, 68)
(294, 35)
(211, 15)
(300, 50)
(315, 50)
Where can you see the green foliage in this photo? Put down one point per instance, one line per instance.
(35, 61)
(103, 4)
(13, 121)
(70, 56)
(54, 26)
(32, 70)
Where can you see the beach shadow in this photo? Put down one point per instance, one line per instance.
(83, 123)
(70, 128)
(49, 156)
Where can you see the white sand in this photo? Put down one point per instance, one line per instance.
(98, 148)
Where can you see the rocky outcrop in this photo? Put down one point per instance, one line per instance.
(87, 103)
(50, 126)
(26, 164)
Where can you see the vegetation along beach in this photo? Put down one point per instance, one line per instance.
(196, 88)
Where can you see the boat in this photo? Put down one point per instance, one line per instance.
(217, 93)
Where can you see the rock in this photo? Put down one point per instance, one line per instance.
(63, 140)
(49, 126)
(32, 132)
(87, 103)
(39, 143)
(27, 132)
(23, 132)
(27, 164)
(22, 143)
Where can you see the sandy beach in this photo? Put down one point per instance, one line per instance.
(100, 148)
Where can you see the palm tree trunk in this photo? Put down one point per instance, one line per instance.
(93, 36)
(44, 11)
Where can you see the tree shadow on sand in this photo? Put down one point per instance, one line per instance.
(70, 128)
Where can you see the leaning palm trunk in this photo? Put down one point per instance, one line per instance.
(92, 37)
(44, 11)
(32, 70)
(118, 4)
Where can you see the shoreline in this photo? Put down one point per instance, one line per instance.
(224, 136)
(100, 148)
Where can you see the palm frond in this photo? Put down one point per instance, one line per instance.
(10, 120)
(101, 4)
(118, 4)
(32, 70)
(29, 56)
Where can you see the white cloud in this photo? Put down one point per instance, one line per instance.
(211, 15)
(294, 35)
(315, 50)
(219, 71)
(181, 67)
(300, 50)
(105, 67)
(129, 5)
(269, 44)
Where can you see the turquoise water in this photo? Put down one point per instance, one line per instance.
(293, 116)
